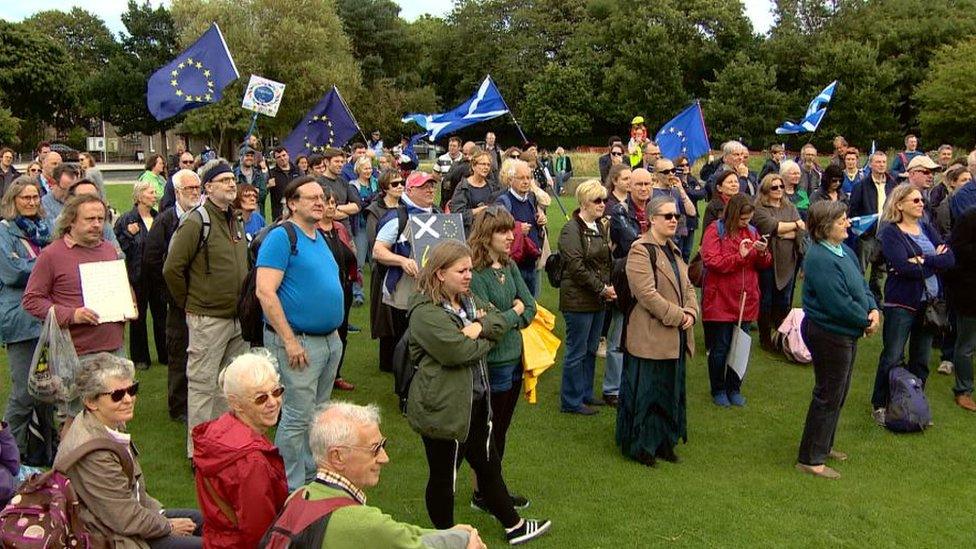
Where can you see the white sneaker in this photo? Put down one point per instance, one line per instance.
(601, 350)
(945, 368)
(879, 416)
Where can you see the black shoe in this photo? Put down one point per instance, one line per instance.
(646, 459)
(611, 400)
(583, 411)
(478, 502)
(353, 329)
(528, 531)
(518, 501)
(594, 402)
(666, 453)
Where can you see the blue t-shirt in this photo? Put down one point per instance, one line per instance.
(253, 226)
(932, 282)
(310, 291)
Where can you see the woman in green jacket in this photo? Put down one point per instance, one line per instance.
(497, 280)
(451, 333)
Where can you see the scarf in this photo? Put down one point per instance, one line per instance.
(37, 231)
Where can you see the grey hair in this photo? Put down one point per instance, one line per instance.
(507, 172)
(248, 371)
(323, 435)
(971, 160)
(138, 188)
(787, 166)
(202, 170)
(654, 204)
(97, 369)
(732, 147)
(179, 178)
(8, 206)
(945, 147)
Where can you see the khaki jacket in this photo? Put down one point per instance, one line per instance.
(111, 505)
(652, 329)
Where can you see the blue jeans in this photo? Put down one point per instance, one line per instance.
(20, 404)
(901, 326)
(531, 277)
(965, 348)
(172, 541)
(718, 339)
(362, 254)
(503, 378)
(771, 297)
(305, 390)
(687, 243)
(579, 362)
(615, 355)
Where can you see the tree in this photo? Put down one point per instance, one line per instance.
(556, 102)
(9, 127)
(33, 75)
(743, 102)
(376, 35)
(947, 98)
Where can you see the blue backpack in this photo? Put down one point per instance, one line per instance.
(908, 409)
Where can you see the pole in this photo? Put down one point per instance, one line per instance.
(517, 127)
(250, 130)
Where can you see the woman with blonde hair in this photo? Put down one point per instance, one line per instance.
(451, 334)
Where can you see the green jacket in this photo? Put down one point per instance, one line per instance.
(486, 284)
(439, 402)
(586, 266)
(359, 526)
(193, 288)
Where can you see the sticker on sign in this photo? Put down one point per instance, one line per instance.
(263, 95)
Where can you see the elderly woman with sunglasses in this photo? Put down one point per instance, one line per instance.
(380, 314)
(777, 217)
(98, 455)
(916, 258)
(240, 476)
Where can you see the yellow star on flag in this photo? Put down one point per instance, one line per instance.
(179, 92)
(189, 60)
(173, 83)
(181, 65)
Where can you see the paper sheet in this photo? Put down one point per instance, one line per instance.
(105, 290)
(738, 358)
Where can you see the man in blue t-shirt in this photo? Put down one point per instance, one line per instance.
(303, 338)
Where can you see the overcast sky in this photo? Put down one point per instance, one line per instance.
(111, 10)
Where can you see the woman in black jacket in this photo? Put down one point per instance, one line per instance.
(131, 230)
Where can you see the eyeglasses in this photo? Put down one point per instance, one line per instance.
(670, 216)
(396, 183)
(34, 170)
(917, 200)
(261, 398)
(374, 449)
(616, 154)
(312, 198)
(775, 187)
(118, 394)
(598, 200)
(672, 171)
(193, 188)
(224, 179)
(186, 162)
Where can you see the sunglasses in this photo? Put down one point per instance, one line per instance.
(775, 187)
(396, 183)
(34, 170)
(669, 216)
(672, 171)
(186, 162)
(598, 200)
(616, 154)
(261, 398)
(917, 200)
(118, 394)
(374, 449)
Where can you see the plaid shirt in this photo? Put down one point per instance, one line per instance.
(338, 481)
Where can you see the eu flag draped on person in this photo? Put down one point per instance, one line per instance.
(684, 134)
(328, 124)
(815, 113)
(196, 78)
(485, 104)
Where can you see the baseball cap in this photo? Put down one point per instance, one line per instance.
(419, 179)
(922, 161)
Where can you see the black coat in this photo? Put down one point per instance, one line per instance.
(155, 248)
(132, 244)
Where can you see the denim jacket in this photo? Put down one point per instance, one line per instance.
(16, 264)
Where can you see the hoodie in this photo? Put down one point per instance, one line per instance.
(246, 471)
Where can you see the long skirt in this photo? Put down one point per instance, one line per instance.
(652, 408)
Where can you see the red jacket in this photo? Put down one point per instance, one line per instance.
(247, 472)
(728, 274)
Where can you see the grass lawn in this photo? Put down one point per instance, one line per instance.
(735, 486)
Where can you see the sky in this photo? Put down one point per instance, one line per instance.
(110, 10)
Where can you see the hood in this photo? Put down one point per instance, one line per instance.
(416, 300)
(219, 443)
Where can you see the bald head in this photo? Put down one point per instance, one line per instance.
(641, 175)
(49, 161)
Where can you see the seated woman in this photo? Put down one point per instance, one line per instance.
(240, 476)
(114, 502)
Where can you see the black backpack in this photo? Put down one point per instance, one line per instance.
(554, 269)
(249, 310)
(618, 278)
(403, 369)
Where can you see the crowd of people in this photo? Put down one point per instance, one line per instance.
(200, 233)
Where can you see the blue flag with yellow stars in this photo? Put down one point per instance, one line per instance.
(328, 124)
(196, 78)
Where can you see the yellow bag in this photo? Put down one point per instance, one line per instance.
(539, 346)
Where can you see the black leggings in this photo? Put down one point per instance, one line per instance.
(502, 409)
(444, 458)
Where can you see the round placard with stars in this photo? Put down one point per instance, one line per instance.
(192, 81)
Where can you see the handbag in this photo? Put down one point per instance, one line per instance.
(935, 313)
(524, 249)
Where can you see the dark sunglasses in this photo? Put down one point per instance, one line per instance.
(670, 216)
(775, 187)
(34, 170)
(118, 394)
(598, 200)
(616, 154)
(918, 200)
(186, 162)
(263, 397)
(672, 171)
(396, 183)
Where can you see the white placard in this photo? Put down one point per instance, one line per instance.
(263, 95)
(105, 290)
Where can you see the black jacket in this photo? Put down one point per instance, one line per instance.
(132, 244)
(962, 278)
(154, 251)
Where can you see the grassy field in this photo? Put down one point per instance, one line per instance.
(735, 486)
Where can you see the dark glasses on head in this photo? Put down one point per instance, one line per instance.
(261, 398)
(118, 394)
(670, 216)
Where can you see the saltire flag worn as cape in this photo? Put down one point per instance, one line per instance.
(330, 123)
(815, 113)
(196, 78)
(485, 104)
(684, 134)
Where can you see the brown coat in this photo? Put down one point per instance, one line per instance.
(111, 504)
(652, 328)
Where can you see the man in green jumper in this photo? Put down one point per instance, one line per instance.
(349, 451)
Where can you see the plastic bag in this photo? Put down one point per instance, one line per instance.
(55, 365)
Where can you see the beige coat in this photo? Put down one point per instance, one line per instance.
(652, 330)
(111, 504)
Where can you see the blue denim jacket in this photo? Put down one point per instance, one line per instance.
(16, 264)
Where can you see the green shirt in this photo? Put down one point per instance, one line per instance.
(500, 287)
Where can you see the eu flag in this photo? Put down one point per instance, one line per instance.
(684, 134)
(485, 104)
(328, 124)
(196, 78)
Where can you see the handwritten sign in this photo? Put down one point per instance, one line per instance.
(105, 290)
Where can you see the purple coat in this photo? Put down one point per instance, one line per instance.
(9, 465)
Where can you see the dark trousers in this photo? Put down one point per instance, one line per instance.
(444, 458)
(718, 339)
(833, 363)
(344, 327)
(388, 343)
(901, 326)
(503, 402)
(965, 349)
(948, 337)
(181, 542)
(177, 340)
(869, 255)
(687, 243)
(153, 300)
(277, 193)
(774, 303)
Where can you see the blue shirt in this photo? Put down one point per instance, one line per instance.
(253, 225)
(310, 291)
(932, 281)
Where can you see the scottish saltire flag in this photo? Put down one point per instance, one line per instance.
(328, 124)
(684, 134)
(409, 149)
(862, 223)
(485, 104)
(815, 113)
(196, 78)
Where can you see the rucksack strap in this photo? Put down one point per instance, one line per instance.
(95, 445)
(301, 513)
(224, 507)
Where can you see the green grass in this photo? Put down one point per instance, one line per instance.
(735, 486)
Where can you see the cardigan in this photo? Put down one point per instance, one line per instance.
(838, 298)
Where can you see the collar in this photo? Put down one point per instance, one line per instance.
(179, 209)
(874, 178)
(517, 196)
(71, 243)
(336, 480)
(408, 202)
(837, 249)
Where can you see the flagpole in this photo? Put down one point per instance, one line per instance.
(509, 109)
(348, 110)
